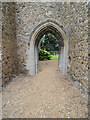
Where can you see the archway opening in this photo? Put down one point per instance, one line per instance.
(49, 44)
(49, 26)
(48, 49)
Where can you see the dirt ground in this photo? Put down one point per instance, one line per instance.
(47, 94)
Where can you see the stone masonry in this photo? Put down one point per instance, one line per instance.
(9, 46)
(20, 18)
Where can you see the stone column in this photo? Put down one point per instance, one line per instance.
(63, 59)
(36, 59)
(31, 59)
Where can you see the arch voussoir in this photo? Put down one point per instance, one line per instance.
(32, 61)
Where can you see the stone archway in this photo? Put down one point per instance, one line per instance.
(32, 51)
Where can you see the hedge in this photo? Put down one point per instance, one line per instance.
(44, 55)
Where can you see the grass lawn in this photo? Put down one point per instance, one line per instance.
(54, 57)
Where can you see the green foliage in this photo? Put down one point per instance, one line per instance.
(54, 57)
(54, 52)
(51, 52)
(49, 42)
(44, 55)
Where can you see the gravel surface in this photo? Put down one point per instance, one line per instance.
(47, 94)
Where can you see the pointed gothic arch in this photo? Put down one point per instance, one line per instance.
(32, 52)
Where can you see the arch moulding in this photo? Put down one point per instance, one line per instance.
(32, 50)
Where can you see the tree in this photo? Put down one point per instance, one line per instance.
(49, 42)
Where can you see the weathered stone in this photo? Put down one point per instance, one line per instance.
(19, 19)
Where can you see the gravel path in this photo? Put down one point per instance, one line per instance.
(47, 94)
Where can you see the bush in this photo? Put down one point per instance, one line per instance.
(44, 55)
(54, 52)
(51, 52)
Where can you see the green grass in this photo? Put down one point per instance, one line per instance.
(54, 57)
